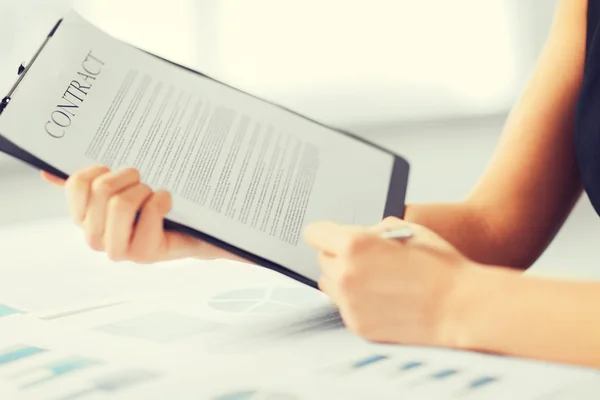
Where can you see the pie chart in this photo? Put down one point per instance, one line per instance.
(256, 395)
(264, 300)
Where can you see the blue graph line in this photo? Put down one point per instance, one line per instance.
(483, 381)
(410, 365)
(369, 361)
(61, 368)
(444, 374)
(12, 355)
(5, 311)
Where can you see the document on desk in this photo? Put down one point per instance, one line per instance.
(218, 330)
(245, 174)
(52, 278)
(50, 359)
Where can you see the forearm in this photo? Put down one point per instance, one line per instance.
(498, 310)
(467, 228)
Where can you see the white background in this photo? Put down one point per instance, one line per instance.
(432, 79)
(344, 62)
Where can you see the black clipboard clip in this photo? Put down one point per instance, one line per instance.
(8, 147)
(24, 68)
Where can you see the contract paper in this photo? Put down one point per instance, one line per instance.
(240, 169)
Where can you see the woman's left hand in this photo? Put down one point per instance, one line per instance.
(387, 290)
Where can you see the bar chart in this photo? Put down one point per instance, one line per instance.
(412, 374)
(32, 370)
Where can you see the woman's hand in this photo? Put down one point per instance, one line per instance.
(390, 290)
(104, 204)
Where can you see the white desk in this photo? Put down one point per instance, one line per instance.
(48, 265)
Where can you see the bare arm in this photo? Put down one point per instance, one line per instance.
(502, 311)
(422, 291)
(532, 181)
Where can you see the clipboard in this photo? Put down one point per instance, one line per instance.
(395, 203)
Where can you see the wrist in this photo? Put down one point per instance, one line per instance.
(477, 291)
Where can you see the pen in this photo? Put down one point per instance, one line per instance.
(401, 233)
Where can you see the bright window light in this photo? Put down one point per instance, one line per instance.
(366, 61)
(166, 28)
(342, 62)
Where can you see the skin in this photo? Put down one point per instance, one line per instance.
(104, 205)
(532, 181)
(457, 283)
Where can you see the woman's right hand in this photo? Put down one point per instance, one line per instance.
(104, 205)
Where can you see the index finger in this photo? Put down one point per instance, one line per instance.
(330, 237)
